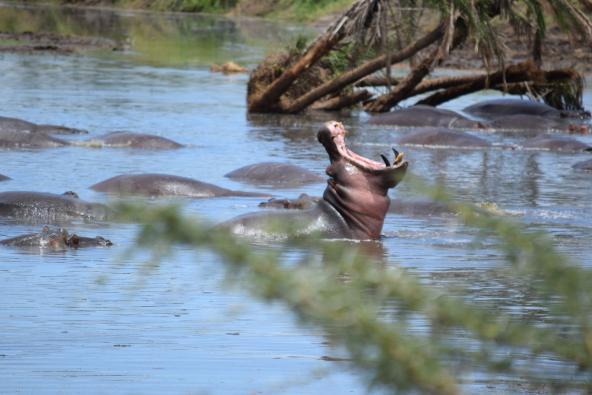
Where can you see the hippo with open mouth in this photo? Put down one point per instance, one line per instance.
(354, 203)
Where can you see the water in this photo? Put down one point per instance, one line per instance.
(93, 321)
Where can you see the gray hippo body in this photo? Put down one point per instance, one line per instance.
(276, 174)
(55, 240)
(556, 143)
(420, 208)
(524, 115)
(27, 139)
(425, 116)
(529, 122)
(302, 202)
(439, 137)
(584, 166)
(354, 203)
(49, 208)
(133, 140)
(154, 184)
(20, 125)
(411, 208)
(4, 178)
(495, 108)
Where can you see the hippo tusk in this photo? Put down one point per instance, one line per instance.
(385, 160)
(396, 153)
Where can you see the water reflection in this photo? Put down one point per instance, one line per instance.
(157, 39)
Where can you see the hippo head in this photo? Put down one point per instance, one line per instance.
(358, 187)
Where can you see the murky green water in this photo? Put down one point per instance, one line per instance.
(178, 329)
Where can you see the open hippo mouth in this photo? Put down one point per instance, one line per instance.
(358, 186)
(332, 136)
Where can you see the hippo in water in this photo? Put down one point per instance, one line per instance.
(535, 123)
(28, 139)
(496, 108)
(425, 116)
(40, 207)
(4, 178)
(153, 184)
(274, 173)
(440, 137)
(354, 203)
(410, 208)
(55, 240)
(20, 125)
(524, 115)
(550, 142)
(302, 202)
(584, 166)
(132, 140)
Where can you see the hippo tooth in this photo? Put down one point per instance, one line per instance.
(395, 152)
(399, 157)
(385, 160)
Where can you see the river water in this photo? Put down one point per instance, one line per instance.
(93, 321)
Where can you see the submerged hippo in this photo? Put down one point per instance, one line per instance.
(28, 139)
(302, 202)
(535, 123)
(421, 208)
(556, 143)
(274, 173)
(132, 140)
(354, 203)
(442, 138)
(55, 240)
(40, 207)
(4, 178)
(425, 116)
(153, 184)
(584, 166)
(20, 125)
(496, 108)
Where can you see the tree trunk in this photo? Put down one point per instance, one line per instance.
(521, 72)
(363, 70)
(342, 101)
(406, 86)
(269, 98)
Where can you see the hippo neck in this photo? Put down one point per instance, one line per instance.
(364, 220)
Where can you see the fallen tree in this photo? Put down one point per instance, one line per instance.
(368, 36)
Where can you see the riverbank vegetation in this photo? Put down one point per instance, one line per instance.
(378, 34)
(300, 10)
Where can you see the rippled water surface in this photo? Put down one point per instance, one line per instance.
(91, 321)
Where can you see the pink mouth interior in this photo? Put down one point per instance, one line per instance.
(338, 133)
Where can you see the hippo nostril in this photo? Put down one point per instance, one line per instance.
(385, 160)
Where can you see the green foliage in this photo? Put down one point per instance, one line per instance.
(192, 5)
(350, 295)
